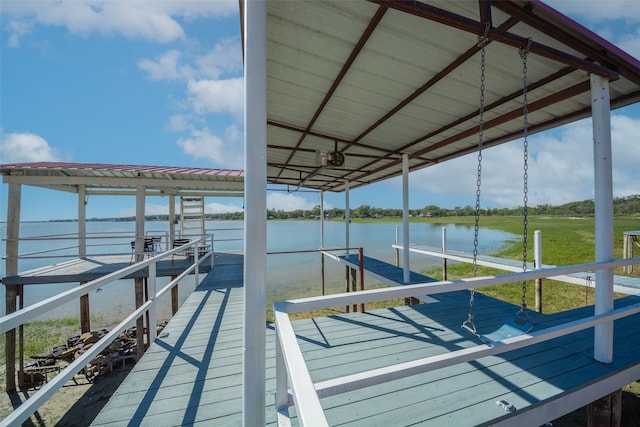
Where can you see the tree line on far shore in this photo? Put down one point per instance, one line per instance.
(628, 205)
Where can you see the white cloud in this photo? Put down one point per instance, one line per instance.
(26, 147)
(214, 208)
(217, 96)
(560, 168)
(630, 43)
(203, 144)
(146, 19)
(225, 57)
(179, 123)
(17, 29)
(597, 11)
(166, 67)
(288, 202)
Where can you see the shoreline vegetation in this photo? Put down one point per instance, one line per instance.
(628, 205)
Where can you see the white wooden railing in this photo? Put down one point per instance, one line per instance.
(293, 380)
(14, 320)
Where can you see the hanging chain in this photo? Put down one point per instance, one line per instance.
(525, 209)
(482, 42)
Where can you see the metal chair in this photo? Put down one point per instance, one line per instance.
(149, 248)
(177, 243)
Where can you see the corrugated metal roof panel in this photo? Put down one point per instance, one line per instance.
(413, 85)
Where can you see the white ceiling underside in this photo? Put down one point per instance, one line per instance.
(376, 79)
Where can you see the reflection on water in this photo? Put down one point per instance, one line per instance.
(288, 276)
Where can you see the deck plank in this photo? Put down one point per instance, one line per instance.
(192, 374)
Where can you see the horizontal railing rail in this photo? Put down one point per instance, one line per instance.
(292, 370)
(14, 320)
(114, 239)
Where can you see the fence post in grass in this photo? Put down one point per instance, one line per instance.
(444, 250)
(537, 264)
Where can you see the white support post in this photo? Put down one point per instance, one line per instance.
(140, 202)
(82, 221)
(322, 220)
(600, 110)
(406, 271)
(11, 269)
(255, 215)
(13, 229)
(347, 216)
(172, 218)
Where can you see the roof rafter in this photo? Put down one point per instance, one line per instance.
(469, 25)
(343, 71)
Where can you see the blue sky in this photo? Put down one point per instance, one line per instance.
(160, 83)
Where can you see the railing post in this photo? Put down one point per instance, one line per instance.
(196, 251)
(537, 253)
(282, 386)
(211, 260)
(152, 297)
(444, 250)
(361, 269)
(397, 250)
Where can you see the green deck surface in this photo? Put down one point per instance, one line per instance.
(192, 374)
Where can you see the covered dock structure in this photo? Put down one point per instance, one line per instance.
(339, 95)
(88, 261)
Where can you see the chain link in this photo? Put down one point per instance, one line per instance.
(478, 180)
(525, 209)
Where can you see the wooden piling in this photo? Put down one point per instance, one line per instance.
(85, 313)
(175, 302)
(606, 411)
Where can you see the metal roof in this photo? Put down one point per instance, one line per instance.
(121, 179)
(376, 79)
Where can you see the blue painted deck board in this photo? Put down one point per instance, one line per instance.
(387, 270)
(193, 375)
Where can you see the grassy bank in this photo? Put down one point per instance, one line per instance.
(565, 241)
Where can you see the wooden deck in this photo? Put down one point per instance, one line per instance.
(191, 375)
(91, 268)
(384, 271)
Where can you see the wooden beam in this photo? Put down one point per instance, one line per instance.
(606, 411)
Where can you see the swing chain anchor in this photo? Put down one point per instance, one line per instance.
(484, 38)
(523, 319)
(525, 51)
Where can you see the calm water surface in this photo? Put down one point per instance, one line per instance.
(289, 275)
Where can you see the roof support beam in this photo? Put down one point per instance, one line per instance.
(469, 25)
(534, 106)
(465, 118)
(485, 12)
(343, 72)
(528, 15)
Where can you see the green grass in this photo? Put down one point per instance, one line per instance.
(565, 241)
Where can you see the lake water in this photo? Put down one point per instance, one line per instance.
(288, 276)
